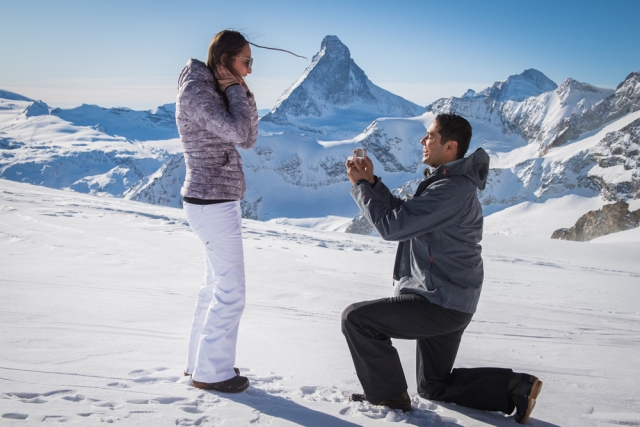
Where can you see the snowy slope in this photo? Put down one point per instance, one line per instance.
(96, 297)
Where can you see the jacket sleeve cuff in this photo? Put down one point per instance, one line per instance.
(232, 85)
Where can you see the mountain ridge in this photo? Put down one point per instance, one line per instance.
(331, 87)
(292, 172)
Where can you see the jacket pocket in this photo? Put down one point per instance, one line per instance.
(225, 159)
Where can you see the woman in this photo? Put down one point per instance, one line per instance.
(215, 112)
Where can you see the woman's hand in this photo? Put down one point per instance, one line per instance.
(226, 78)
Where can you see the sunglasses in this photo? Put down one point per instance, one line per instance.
(249, 61)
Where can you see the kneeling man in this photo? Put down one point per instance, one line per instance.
(438, 276)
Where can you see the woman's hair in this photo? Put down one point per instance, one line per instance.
(223, 47)
(231, 42)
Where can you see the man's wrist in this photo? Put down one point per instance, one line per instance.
(367, 181)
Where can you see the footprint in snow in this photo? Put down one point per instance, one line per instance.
(15, 416)
(34, 397)
(144, 372)
(323, 394)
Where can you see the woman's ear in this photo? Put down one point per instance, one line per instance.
(223, 58)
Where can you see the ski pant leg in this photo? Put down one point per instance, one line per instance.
(368, 327)
(203, 301)
(479, 388)
(212, 345)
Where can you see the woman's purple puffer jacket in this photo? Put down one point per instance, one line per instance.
(210, 132)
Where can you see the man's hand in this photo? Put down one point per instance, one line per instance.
(360, 168)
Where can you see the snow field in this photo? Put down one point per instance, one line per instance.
(96, 297)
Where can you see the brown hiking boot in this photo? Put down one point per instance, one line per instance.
(524, 390)
(236, 384)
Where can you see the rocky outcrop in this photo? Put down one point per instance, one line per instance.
(610, 169)
(617, 174)
(360, 225)
(163, 186)
(610, 219)
(538, 118)
(624, 100)
(250, 209)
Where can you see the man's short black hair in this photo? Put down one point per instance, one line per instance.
(453, 127)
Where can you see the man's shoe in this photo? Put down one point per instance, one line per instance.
(402, 402)
(236, 384)
(236, 370)
(523, 392)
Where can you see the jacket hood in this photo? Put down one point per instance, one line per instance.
(474, 167)
(195, 70)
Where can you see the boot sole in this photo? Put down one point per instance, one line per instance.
(206, 386)
(535, 391)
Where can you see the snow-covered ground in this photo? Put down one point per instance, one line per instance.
(328, 223)
(96, 296)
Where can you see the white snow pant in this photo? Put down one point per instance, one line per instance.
(214, 333)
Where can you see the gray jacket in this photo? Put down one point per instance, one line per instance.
(439, 231)
(209, 131)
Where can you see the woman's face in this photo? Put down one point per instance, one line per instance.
(242, 61)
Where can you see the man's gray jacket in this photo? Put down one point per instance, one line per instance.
(439, 231)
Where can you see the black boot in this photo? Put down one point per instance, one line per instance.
(400, 402)
(523, 392)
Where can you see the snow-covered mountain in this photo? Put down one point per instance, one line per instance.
(40, 147)
(592, 164)
(573, 140)
(516, 88)
(131, 124)
(334, 99)
(526, 164)
(537, 119)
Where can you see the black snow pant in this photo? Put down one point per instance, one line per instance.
(369, 326)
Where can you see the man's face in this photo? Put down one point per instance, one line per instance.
(434, 153)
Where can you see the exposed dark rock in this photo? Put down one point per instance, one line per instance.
(625, 100)
(610, 219)
(360, 225)
(250, 209)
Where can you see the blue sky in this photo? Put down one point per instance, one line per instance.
(129, 53)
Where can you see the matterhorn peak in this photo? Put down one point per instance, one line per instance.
(333, 45)
(333, 89)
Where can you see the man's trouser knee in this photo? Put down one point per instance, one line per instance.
(369, 327)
